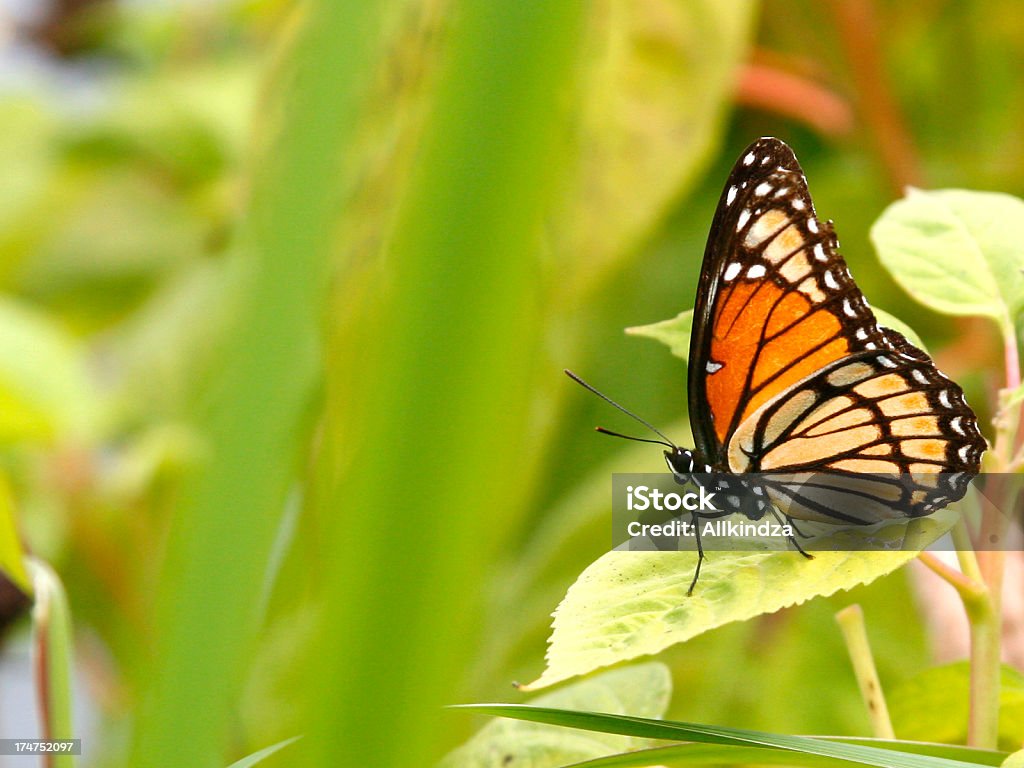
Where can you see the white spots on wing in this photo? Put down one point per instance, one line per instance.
(749, 158)
(830, 280)
(957, 426)
(819, 252)
(762, 189)
(730, 196)
(732, 270)
(812, 226)
(861, 333)
(758, 270)
(944, 399)
(782, 192)
(765, 160)
(741, 222)
(919, 377)
(888, 362)
(964, 453)
(848, 309)
(871, 345)
(799, 206)
(713, 367)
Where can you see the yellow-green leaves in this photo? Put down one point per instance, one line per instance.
(956, 251)
(655, 82)
(628, 604)
(640, 690)
(44, 390)
(11, 556)
(933, 706)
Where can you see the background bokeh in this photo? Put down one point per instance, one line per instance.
(285, 295)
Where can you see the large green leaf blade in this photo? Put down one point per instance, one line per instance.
(953, 251)
(641, 689)
(629, 604)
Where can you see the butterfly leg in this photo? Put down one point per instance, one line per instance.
(700, 552)
(792, 539)
(799, 533)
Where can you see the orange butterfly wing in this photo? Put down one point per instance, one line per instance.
(777, 312)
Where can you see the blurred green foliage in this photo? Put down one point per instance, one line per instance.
(486, 225)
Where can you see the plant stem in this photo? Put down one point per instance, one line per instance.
(983, 726)
(969, 589)
(51, 619)
(851, 622)
(985, 613)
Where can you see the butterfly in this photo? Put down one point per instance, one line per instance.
(791, 376)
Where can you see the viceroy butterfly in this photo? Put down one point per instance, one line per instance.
(790, 374)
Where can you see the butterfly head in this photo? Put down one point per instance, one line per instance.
(683, 463)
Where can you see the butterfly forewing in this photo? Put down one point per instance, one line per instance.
(776, 301)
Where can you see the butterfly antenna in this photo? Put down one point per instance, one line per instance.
(604, 431)
(629, 413)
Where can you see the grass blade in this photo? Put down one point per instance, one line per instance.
(430, 385)
(222, 534)
(256, 757)
(720, 735)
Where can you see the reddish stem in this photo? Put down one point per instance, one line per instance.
(767, 87)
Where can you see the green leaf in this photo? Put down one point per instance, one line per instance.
(628, 604)
(44, 388)
(641, 689)
(956, 251)
(257, 757)
(890, 321)
(710, 734)
(12, 557)
(657, 78)
(933, 705)
(675, 332)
